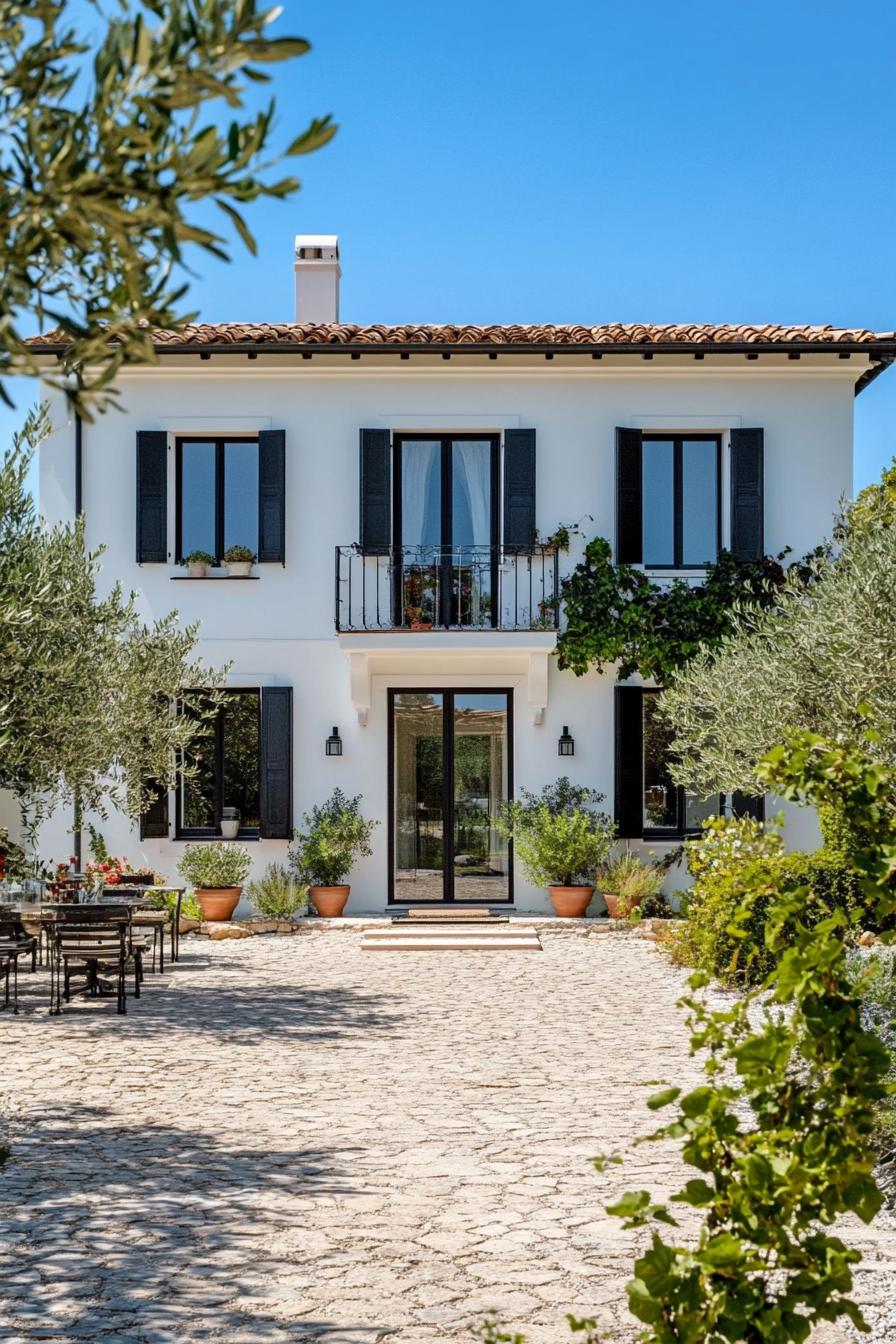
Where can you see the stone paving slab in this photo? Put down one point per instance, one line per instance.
(288, 1141)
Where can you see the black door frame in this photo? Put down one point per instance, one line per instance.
(447, 693)
(446, 465)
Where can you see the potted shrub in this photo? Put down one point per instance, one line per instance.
(419, 586)
(323, 852)
(217, 871)
(197, 562)
(561, 841)
(278, 894)
(238, 561)
(626, 880)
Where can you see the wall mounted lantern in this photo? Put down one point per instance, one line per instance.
(566, 745)
(334, 743)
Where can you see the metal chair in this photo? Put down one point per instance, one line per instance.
(9, 965)
(90, 940)
(12, 930)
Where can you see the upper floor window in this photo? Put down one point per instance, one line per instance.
(680, 512)
(217, 495)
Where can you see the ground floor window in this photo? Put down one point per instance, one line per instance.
(648, 803)
(226, 769)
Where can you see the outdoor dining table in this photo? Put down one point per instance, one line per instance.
(43, 913)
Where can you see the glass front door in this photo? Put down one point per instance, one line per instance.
(450, 772)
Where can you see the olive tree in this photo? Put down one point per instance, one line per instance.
(115, 133)
(85, 684)
(819, 659)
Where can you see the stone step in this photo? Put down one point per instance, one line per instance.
(401, 929)
(440, 912)
(457, 943)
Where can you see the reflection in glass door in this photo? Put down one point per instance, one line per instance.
(450, 771)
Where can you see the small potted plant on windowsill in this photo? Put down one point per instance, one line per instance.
(323, 852)
(197, 562)
(238, 561)
(217, 871)
(230, 823)
(419, 586)
(561, 841)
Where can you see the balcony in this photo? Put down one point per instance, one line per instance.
(466, 588)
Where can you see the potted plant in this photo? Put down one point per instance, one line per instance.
(419, 585)
(323, 852)
(197, 562)
(278, 894)
(217, 871)
(238, 561)
(561, 841)
(625, 880)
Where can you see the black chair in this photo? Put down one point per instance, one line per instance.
(90, 941)
(12, 930)
(9, 967)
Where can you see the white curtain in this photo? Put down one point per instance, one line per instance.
(472, 480)
(420, 479)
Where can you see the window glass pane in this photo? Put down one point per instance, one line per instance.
(241, 495)
(419, 770)
(699, 501)
(696, 810)
(197, 792)
(481, 861)
(421, 493)
(197, 497)
(660, 794)
(658, 502)
(241, 770)
(471, 532)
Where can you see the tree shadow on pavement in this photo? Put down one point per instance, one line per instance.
(148, 1234)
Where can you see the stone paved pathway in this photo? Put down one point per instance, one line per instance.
(289, 1140)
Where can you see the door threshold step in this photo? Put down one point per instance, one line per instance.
(448, 912)
(406, 921)
(403, 929)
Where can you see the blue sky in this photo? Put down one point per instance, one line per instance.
(590, 162)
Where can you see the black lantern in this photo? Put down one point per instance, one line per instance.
(334, 743)
(566, 745)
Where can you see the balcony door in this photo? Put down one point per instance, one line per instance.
(445, 514)
(449, 772)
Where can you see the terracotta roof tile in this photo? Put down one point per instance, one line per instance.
(614, 334)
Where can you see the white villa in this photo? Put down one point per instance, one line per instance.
(393, 482)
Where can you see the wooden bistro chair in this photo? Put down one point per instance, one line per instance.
(90, 941)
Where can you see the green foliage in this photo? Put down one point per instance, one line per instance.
(216, 863)
(237, 554)
(333, 837)
(491, 1331)
(730, 940)
(277, 894)
(780, 1134)
(812, 661)
(615, 614)
(84, 683)
(99, 850)
(199, 558)
(631, 879)
(558, 836)
(167, 900)
(113, 147)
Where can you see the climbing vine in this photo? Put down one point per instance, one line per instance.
(618, 614)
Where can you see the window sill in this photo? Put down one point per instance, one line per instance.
(215, 578)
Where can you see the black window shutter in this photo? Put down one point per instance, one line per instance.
(629, 781)
(519, 488)
(272, 496)
(154, 821)
(376, 492)
(276, 762)
(629, 542)
(748, 805)
(152, 497)
(747, 541)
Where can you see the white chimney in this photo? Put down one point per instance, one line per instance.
(317, 277)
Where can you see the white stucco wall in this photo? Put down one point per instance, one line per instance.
(280, 629)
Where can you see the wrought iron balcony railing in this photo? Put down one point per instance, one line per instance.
(447, 588)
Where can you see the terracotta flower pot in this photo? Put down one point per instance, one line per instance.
(329, 902)
(616, 907)
(217, 903)
(570, 902)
